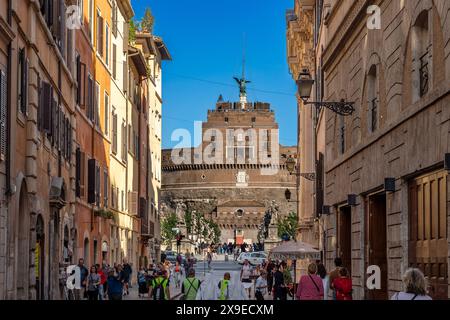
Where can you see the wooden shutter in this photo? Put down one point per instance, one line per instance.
(100, 35)
(82, 173)
(125, 76)
(54, 120)
(133, 202)
(90, 98)
(92, 175)
(3, 114)
(105, 188)
(46, 107)
(78, 62)
(97, 185)
(23, 63)
(114, 17)
(78, 173)
(124, 143)
(114, 142)
(114, 61)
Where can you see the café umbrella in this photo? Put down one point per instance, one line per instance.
(294, 250)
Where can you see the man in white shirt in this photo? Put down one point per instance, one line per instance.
(261, 286)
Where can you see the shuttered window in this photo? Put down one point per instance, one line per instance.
(81, 76)
(114, 133)
(124, 142)
(99, 34)
(105, 188)
(82, 174)
(106, 132)
(46, 107)
(114, 18)
(23, 81)
(90, 102)
(78, 173)
(96, 116)
(133, 202)
(114, 62)
(3, 114)
(92, 181)
(97, 185)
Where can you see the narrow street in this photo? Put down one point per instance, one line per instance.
(211, 276)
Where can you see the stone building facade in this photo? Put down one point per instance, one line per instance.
(59, 174)
(234, 174)
(37, 160)
(385, 178)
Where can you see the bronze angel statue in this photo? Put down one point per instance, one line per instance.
(242, 85)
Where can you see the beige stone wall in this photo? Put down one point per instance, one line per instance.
(412, 134)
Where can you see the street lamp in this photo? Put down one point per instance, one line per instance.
(291, 166)
(304, 88)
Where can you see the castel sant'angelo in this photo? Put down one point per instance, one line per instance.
(233, 175)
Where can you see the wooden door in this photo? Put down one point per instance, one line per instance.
(428, 246)
(376, 242)
(345, 236)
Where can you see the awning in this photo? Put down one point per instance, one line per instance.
(138, 59)
(294, 250)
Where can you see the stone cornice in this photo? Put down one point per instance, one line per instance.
(5, 30)
(342, 33)
(192, 167)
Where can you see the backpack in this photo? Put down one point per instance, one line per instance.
(158, 290)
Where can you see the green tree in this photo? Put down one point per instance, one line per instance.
(132, 31)
(147, 21)
(167, 225)
(288, 226)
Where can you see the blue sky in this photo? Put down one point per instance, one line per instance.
(205, 38)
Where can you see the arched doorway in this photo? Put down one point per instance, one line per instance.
(23, 246)
(39, 262)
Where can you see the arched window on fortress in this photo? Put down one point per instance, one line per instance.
(373, 99)
(421, 56)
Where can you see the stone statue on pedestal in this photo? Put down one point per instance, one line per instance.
(180, 212)
(273, 212)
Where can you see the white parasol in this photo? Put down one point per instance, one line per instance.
(294, 250)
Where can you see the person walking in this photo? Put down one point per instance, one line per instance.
(269, 270)
(101, 287)
(93, 281)
(177, 274)
(80, 292)
(278, 285)
(190, 286)
(310, 286)
(114, 285)
(159, 289)
(224, 287)
(415, 284)
(127, 271)
(246, 272)
(261, 286)
(322, 273)
(287, 278)
(335, 274)
(343, 285)
(209, 259)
